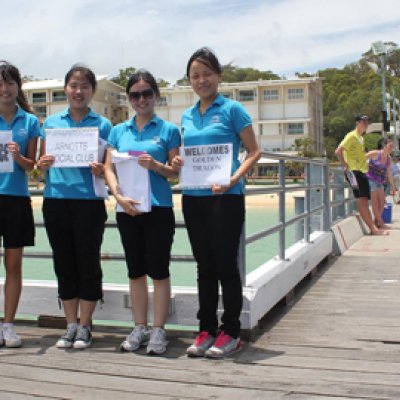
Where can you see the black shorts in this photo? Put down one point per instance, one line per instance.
(147, 240)
(16, 222)
(363, 189)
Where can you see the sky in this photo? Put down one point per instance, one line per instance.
(43, 38)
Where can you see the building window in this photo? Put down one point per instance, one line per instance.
(59, 96)
(39, 97)
(246, 95)
(40, 111)
(162, 101)
(295, 93)
(295, 129)
(271, 94)
(228, 95)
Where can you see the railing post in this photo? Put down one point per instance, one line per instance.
(326, 198)
(338, 194)
(307, 223)
(316, 176)
(282, 214)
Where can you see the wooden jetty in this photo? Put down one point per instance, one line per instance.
(338, 339)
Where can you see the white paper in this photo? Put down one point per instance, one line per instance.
(72, 147)
(206, 165)
(6, 159)
(133, 180)
(99, 184)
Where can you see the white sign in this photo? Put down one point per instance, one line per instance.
(133, 179)
(206, 165)
(73, 147)
(6, 159)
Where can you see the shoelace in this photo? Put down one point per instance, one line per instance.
(135, 335)
(222, 339)
(157, 336)
(83, 334)
(70, 333)
(201, 337)
(9, 334)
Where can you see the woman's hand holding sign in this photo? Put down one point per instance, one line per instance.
(45, 162)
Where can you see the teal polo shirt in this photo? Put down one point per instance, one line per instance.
(24, 127)
(73, 183)
(157, 138)
(222, 122)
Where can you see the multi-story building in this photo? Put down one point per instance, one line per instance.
(282, 110)
(47, 97)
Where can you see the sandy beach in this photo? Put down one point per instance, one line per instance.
(258, 200)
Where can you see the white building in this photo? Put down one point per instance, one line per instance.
(47, 97)
(282, 110)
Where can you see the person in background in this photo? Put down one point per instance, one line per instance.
(74, 216)
(214, 217)
(16, 218)
(380, 171)
(146, 237)
(351, 155)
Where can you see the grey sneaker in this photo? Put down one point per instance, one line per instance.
(10, 338)
(202, 343)
(67, 340)
(83, 338)
(224, 345)
(158, 342)
(137, 338)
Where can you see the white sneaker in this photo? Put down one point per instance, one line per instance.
(137, 338)
(11, 339)
(158, 342)
(67, 340)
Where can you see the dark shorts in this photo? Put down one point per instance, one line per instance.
(16, 222)
(147, 240)
(363, 185)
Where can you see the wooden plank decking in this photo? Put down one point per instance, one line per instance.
(339, 339)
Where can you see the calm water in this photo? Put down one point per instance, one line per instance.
(183, 274)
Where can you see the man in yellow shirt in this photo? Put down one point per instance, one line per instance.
(351, 154)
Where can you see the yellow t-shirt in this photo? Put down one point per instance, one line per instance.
(354, 152)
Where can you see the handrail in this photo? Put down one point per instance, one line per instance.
(320, 182)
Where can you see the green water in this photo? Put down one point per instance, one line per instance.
(182, 273)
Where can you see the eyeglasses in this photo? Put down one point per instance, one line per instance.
(146, 94)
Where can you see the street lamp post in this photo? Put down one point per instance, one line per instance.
(380, 49)
(394, 114)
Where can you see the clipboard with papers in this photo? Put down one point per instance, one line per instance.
(133, 180)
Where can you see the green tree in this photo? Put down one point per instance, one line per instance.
(123, 76)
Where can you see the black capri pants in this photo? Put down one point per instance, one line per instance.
(75, 230)
(214, 225)
(147, 240)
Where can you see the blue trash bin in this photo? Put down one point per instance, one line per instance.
(387, 213)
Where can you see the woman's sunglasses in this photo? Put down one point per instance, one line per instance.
(146, 94)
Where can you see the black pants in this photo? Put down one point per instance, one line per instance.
(214, 225)
(75, 230)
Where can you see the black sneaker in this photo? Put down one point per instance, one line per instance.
(83, 338)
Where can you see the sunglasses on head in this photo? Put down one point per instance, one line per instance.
(146, 94)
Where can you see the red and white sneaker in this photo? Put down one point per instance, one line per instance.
(202, 342)
(224, 345)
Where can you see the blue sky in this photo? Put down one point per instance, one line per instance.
(45, 37)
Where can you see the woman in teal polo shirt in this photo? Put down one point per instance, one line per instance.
(16, 219)
(74, 215)
(214, 217)
(146, 237)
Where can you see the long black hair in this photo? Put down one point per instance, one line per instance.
(9, 72)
